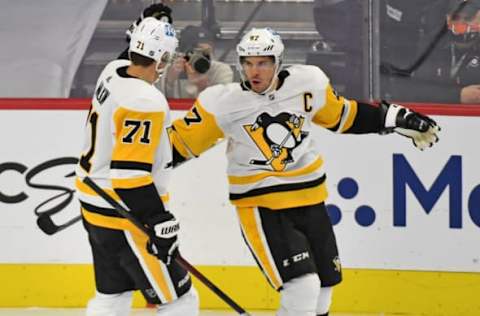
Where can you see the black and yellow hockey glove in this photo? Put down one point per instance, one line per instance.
(421, 129)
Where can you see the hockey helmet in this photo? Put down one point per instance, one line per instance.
(154, 39)
(261, 42)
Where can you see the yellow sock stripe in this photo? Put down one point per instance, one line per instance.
(252, 234)
(260, 176)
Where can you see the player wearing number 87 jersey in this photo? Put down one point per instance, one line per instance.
(275, 172)
(128, 153)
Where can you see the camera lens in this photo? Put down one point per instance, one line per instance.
(201, 65)
(199, 60)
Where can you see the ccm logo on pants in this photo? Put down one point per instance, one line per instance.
(296, 258)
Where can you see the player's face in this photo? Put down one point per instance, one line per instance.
(259, 71)
(460, 24)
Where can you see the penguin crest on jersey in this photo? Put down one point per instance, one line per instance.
(276, 137)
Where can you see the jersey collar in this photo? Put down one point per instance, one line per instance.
(122, 72)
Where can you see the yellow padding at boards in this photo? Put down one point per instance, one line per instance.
(362, 290)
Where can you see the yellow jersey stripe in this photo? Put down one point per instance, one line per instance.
(178, 143)
(110, 222)
(85, 189)
(351, 116)
(286, 199)
(329, 115)
(130, 183)
(260, 176)
(198, 129)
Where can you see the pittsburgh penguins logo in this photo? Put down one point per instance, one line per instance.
(336, 262)
(276, 137)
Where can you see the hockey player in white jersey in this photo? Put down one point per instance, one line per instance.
(128, 153)
(276, 176)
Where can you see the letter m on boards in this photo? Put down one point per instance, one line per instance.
(449, 177)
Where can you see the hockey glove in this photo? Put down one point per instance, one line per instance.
(164, 243)
(157, 10)
(421, 129)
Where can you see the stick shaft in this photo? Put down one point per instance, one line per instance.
(179, 259)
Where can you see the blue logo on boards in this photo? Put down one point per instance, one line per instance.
(348, 189)
(449, 180)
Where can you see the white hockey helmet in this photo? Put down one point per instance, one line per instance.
(261, 42)
(154, 39)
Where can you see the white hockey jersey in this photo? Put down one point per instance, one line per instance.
(272, 160)
(126, 143)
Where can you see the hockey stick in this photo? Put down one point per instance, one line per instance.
(44, 218)
(179, 259)
(46, 224)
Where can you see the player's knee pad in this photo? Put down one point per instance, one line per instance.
(110, 304)
(185, 305)
(299, 296)
(324, 300)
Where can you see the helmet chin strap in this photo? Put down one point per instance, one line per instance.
(272, 84)
(159, 71)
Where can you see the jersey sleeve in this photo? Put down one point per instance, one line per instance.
(341, 115)
(193, 134)
(337, 113)
(368, 120)
(136, 140)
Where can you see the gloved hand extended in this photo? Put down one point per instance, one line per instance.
(421, 129)
(157, 10)
(164, 243)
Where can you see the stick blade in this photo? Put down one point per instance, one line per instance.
(46, 224)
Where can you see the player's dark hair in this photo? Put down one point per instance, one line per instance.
(140, 60)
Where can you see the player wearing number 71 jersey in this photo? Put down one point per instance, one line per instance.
(128, 153)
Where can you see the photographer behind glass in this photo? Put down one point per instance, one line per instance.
(194, 69)
(451, 71)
